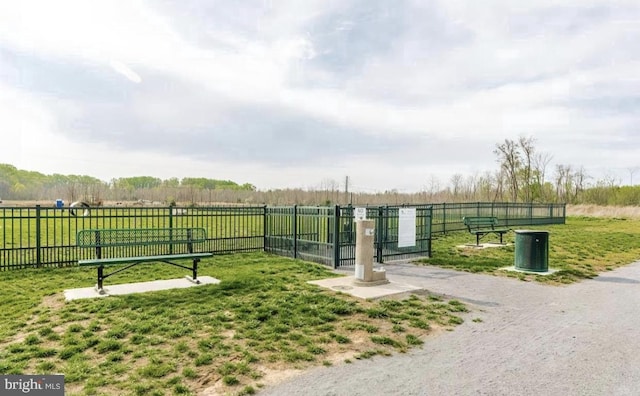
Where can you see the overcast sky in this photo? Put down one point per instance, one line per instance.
(290, 93)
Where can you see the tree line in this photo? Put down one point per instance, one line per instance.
(523, 174)
(17, 184)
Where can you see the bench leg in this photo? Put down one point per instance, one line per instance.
(194, 272)
(195, 269)
(100, 279)
(477, 239)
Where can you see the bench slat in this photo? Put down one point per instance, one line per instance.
(92, 238)
(141, 259)
(123, 240)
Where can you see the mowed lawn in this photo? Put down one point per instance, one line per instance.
(580, 249)
(261, 322)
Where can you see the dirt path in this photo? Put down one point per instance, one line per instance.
(582, 339)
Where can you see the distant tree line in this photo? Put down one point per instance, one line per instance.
(16, 184)
(523, 175)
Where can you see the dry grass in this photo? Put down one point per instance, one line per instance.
(628, 212)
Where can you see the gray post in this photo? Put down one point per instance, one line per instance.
(365, 274)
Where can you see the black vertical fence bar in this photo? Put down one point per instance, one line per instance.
(265, 225)
(38, 236)
(294, 231)
(379, 234)
(444, 218)
(336, 237)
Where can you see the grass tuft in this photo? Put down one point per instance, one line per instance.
(262, 314)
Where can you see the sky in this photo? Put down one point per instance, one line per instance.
(394, 94)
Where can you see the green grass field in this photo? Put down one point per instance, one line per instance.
(263, 318)
(580, 249)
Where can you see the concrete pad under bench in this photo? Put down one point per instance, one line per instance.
(348, 285)
(140, 287)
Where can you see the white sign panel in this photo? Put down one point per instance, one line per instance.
(406, 227)
(359, 214)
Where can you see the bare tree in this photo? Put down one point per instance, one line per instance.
(528, 150)
(486, 187)
(510, 161)
(500, 180)
(632, 171)
(456, 184)
(434, 186)
(564, 183)
(541, 162)
(579, 178)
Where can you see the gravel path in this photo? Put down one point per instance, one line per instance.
(582, 339)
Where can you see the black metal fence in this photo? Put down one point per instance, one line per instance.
(448, 216)
(40, 237)
(43, 236)
(327, 234)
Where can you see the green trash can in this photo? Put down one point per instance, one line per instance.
(532, 250)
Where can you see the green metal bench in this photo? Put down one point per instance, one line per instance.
(481, 226)
(141, 245)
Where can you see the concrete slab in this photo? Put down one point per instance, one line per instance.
(514, 269)
(347, 285)
(140, 287)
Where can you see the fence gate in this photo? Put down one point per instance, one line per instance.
(327, 235)
(387, 233)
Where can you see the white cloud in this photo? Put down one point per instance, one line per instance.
(125, 71)
(486, 71)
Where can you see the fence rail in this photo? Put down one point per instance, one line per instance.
(45, 237)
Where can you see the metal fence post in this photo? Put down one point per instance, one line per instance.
(429, 224)
(379, 235)
(295, 231)
(444, 218)
(350, 224)
(264, 228)
(336, 237)
(38, 238)
(506, 212)
(170, 226)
